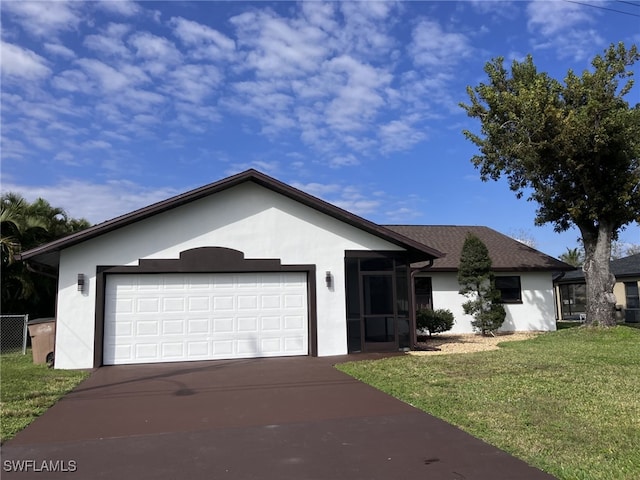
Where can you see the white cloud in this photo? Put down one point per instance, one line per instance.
(110, 42)
(366, 28)
(359, 206)
(434, 48)
(279, 47)
(564, 27)
(108, 78)
(401, 214)
(320, 190)
(550, 18)
(400, 134)
(344, 161)
(195, 118)
(192, 83)
(263, 100)
(320, 14)
(45, 19)
(206, 42)
(497, 9)
(97, 144)
(96, 202)
(65, 158)
(21, 63)
(72, 81)
(59, 50)
(125, 8)
(153, 47)
(374, 203)
(13, 149)
(346, 197)
(359, 97)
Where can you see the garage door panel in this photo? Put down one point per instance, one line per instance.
(270, 323)
(145, 328)
(172, 351)
(294, 322)
(198, 350)
(148, 305)
(247, 302)
(223, 325)
(148, 319)
(293, 301)
(173, 327)
(199, 304)
(222, 348)
(293, 344)
(173, 304)
(270, 301)
(270, 346)
(148, 351)
(221, 303)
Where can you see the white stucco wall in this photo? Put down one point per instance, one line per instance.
(249, 218)
(535, 313)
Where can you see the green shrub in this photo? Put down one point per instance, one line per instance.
(490, 319)
(477, 283)
(434, 321)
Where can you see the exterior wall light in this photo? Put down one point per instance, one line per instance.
(329, 279)
(81, 282)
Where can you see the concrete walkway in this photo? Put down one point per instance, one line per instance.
(280, 418)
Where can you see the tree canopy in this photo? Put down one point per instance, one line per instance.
(25, 225)
(572, 147)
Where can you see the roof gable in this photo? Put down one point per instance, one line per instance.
(49, 253)
(506, 253)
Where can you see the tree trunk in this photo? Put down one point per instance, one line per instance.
(601, 301)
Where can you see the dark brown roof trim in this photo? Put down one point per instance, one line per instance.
(417, 249)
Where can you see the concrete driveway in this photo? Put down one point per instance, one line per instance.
(280, 418)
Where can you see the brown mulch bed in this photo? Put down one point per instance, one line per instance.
(448, 343)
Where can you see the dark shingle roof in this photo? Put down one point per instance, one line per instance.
(621, 267)
(627, 266)
(506, 253)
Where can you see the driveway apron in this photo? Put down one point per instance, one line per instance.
(278, 418)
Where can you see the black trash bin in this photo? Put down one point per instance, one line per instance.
(43, 336)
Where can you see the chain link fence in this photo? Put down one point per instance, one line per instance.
(13, 333)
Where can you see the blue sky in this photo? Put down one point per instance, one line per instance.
(111, 106)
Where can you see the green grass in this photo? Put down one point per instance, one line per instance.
(567, 402)
(28, 390)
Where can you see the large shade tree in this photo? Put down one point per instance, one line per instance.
(573, 147)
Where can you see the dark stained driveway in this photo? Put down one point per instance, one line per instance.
(280, 418)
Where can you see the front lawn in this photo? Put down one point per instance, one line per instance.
(28, 390)
(567, 402)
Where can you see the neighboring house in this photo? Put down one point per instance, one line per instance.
(524, 276)
(251, 267)
(572, 296)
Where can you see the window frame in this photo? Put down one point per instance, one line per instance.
(511, 299)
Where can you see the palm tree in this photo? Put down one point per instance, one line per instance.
(16, 222)
(573, 256)
(25, 225)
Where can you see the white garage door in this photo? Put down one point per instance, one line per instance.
(182, 317)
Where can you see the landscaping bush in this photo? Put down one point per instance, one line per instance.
(477, 283)
(434, 321)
